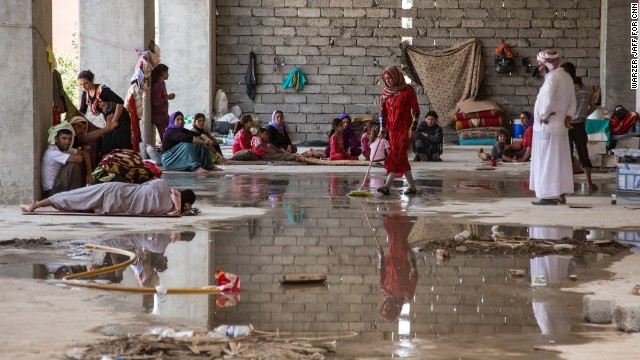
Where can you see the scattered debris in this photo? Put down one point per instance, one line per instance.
(521, 245)
(461, 249)
(26, 243)
(302, 278)
(442, 254)
(260, 345)
(462, 236)
(517, 272)
(573, 277)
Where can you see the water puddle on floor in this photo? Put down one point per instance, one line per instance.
(385, 280)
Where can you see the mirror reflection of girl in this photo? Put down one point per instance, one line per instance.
(199, 126)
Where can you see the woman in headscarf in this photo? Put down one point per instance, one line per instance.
(88, 136)
(349, 137)
(99, 99)
(183, 149)
(399, 112)
(521, 151)
(278, 138)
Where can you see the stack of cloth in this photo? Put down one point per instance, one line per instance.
(478, 128)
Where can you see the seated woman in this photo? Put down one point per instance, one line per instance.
(99, 99)
(183, 150)
(521, 151)
(350, 140)
(151, 198)
(278, 138)
(428, 142)
(198, 126)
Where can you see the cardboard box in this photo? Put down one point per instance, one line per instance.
(597, 147)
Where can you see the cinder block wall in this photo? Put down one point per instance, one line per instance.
(342, 46)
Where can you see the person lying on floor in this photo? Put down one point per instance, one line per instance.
(150, 198)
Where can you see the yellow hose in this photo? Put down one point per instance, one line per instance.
(69, 279)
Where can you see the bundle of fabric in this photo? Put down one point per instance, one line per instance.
(476, 115)
(448, 76)
(122, 165)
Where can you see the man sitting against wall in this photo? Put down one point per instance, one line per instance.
(63, 167)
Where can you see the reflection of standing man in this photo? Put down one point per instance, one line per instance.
(398, 271)
(551, 173)
(577, 133)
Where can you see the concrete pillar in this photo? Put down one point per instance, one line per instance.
(107, 35)
(26, 96)
(615, 56)
(186, 36)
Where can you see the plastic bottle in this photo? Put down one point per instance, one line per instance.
(230, 135)
(233, 330)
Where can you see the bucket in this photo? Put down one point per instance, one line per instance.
(518, 130)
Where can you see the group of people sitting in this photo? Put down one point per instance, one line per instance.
(273, 143)
(504, 150)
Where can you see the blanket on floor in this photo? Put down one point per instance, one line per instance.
(81, 213)
(313, 161)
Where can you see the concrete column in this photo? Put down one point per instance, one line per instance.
(26, 96)
(186, 36)
(615, 64)
(108, 34)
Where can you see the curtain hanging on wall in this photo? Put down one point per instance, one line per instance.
(448, 76)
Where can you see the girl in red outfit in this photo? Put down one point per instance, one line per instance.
(242, 139)
(399, 110)
(336, 143)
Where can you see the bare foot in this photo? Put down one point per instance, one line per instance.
(27, 208)
(215, 168)
(201, 171)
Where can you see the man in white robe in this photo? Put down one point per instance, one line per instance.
(551, 175)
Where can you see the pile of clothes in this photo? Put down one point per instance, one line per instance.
(478, 128)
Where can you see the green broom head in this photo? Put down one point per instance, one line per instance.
(360, 193)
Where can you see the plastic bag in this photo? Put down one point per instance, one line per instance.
(221, 103)
(227, 282)
(235, 110)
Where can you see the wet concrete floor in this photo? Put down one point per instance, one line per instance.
(402, 301)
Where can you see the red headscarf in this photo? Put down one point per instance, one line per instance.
(398, 78)
(549, 58)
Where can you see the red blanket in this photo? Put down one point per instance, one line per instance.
(477, 123)
(619, 127)
(482, 114)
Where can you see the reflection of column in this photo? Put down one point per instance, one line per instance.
(553, 267)
(26, 95)
(551, 317)
(550, 233)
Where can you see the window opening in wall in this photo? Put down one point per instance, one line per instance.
(407, 4)
(407, 40)
(407, 23)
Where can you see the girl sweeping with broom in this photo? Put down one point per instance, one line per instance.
(399, 112)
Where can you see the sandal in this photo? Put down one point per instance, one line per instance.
(384, 190)
(410, 191)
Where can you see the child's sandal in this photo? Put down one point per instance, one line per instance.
(384, 190)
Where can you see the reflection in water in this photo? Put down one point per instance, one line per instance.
(551, 318)
(398, 270)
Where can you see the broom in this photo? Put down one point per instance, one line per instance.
(360, 192)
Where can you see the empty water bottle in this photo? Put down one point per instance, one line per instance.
(233, 330)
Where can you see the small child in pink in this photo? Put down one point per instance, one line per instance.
(365, 140)
(381, 148)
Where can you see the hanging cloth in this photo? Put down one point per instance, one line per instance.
(250, 76)
(295, 79)
(448, 76)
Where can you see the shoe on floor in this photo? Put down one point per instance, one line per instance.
(384, 190)
(410, 191)
(416, 158)
(545, 202)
